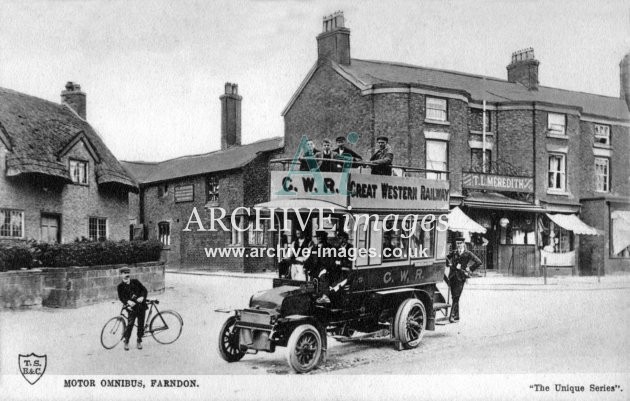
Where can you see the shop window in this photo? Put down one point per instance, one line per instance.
(602, 134)
(97, 229)
(557, 172)
(556, 124)
(436, 109)
(164, 233)
(394, 245)
(78, 171)
(437, 159)
(517, 230)
(11, 223)
(602, 174)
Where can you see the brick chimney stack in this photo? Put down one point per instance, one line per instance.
(524, 69)
(624, 79)
(334, 41)
(75, 98)
(230, 116)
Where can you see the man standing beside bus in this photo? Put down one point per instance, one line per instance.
(458, 262)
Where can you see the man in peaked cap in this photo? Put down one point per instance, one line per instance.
(133, 295)
(342, 152)
(459, 262)
(383, 157)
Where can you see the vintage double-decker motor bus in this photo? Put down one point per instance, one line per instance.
(397, 228)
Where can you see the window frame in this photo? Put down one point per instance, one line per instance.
(597, 135)
(164, 235)
(237, 238)
(72, 167)
(10, 225)
(562, 170)
(257, 238)
(98, 220)
(606, 175)
(212, 182)
(427, 108)
(554, 132)
(480, 152)
(432, 175)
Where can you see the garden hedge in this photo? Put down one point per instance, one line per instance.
(13, 257)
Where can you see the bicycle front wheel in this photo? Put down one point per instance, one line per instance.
(113, 332)
(166, 327)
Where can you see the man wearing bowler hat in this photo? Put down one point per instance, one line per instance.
(133, 295)
(459, 262)
(383, 157)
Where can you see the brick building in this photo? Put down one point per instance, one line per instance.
(546, 158)
(235, 176)
(58, 180)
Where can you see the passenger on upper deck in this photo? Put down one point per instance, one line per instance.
(383, 157)
(304, 160)
(342, 151)
(326, 166)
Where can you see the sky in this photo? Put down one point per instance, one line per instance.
(153, 71)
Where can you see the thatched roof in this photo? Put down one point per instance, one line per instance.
(39, 132)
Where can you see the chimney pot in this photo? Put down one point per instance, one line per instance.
(74, 98)
(334, 41)
(524, 68)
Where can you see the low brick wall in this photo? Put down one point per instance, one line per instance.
(71, 287)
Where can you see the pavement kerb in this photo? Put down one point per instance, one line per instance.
(493, 283)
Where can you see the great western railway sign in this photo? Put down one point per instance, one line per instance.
(362, 191)
(499, 183)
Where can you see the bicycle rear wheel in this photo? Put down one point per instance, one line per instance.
(113, 332)
(166, 327)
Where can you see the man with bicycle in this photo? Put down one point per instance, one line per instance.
(133, 295)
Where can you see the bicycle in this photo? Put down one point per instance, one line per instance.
(165, 327)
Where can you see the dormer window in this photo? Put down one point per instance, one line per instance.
(78, 171)
(556, 124)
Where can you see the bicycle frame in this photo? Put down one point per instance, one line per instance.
(124, 312)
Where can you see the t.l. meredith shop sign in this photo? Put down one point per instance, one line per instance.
(498, 183)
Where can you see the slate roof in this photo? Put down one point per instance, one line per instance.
(186, 166)
(39, 131)
(372, 74)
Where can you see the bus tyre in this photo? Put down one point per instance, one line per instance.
(229, 342)
(410, 323)
(305, 348)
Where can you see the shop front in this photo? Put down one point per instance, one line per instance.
(522, 238)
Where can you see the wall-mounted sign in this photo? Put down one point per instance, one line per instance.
(499, 183)
(184, 193)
